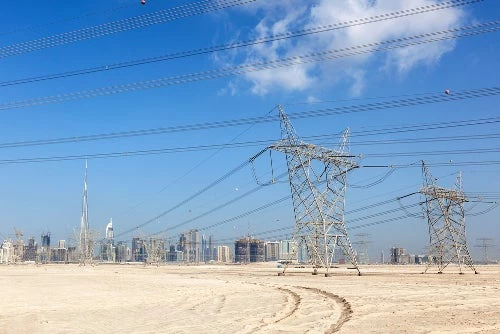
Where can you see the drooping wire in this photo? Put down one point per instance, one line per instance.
(128, 154)
(69, 19)
(488, 209)
(405, 209)
(201, 163)
(230, 123)
(266, 39)
(136, 22)
(189, 198)
(369, 185)
(249, 68)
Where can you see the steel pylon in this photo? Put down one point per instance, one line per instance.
(444, 209)
(317, 177)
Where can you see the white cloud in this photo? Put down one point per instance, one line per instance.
(358, 81)
(293, 78)
(283, 16)
(231, 89)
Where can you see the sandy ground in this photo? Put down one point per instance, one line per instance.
(245, 299)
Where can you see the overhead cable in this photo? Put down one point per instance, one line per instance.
(230, 123)
(260, 66)
(136, 22)
(260, 40)
(193, 196)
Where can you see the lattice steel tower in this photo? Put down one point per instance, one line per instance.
(317, 178)
(85, 242)
(444, 209)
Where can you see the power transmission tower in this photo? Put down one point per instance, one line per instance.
(85, 242)
(444, 209)
(485, 245)
(362, 249)
(317, 177)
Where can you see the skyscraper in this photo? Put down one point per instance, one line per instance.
(109, 229)
(224, 254)
(249, 250)
(272, 250)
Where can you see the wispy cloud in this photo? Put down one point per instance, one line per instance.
(283, 16)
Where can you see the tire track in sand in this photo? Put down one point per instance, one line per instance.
(292, 305)
(346, 310)
(302, 306)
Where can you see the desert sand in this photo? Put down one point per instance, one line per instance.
(246, 299)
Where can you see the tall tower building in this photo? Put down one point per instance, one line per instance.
(248, 250)
(109, 229)
(272, 250)
(85, 244)
(224, 254)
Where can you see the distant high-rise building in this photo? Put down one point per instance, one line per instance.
(204, 249)
(45, 250)
(181, 246)
(46, 240)
(208, 248)
(286, 249)
(60, 253)
(212, 251)
(138, 250)
(108, 251)
(6, 252)
(272, 250)
(109, 229)
(72, 254)
(399, 256)
(224, 254)
(192, 249)
(122, 252)
(30, 250)
(249, 250)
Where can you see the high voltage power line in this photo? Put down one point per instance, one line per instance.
(68, 19)
(290, 228)
(373, 132)
(359, 209)
(198, 148)
(245, 163)
(136, 22)
(233, 45)
(265, 65)
(225, 221)
(215, 147)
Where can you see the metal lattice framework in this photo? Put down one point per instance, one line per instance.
(154, 250)
(85, 242)
(317, 178)
(444, 209)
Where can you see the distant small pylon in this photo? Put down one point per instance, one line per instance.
(485, 245)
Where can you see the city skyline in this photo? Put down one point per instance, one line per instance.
(448, 125)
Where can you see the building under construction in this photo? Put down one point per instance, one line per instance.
(248, 250)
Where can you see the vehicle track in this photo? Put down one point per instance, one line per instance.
(306, 312)
(346, 310)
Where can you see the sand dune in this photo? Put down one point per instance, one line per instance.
(245, 299)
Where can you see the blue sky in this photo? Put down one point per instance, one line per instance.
(37, 197)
